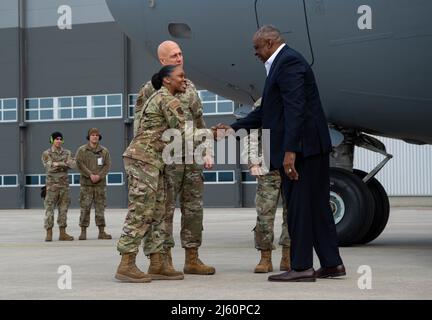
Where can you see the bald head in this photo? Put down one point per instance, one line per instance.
(169, 53)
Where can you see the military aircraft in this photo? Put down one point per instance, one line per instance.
(370, 58)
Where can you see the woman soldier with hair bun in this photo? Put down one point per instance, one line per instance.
(144, 166)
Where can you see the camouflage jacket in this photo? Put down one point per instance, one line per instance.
(193, 111)
(189, 100)
(252, 146)
(93, 161)
(57, 163)
(161, 111)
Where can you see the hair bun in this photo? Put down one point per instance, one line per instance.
(157, 81)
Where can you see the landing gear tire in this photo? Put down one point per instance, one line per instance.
(352, 205)
(382, 208)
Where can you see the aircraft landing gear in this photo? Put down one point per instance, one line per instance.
(352, 205)
(382, 208)
(358, 201)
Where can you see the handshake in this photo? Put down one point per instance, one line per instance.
(221, 131)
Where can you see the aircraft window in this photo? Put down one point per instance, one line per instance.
(179, 30)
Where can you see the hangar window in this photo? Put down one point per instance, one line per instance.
(105, 106)
(115, 179)
(247, 178)
(74, 179)
(132, 102)
(8, 180)
(214, 104)
(219, 177)
(34, 180)
(38, 180)
(8, 110)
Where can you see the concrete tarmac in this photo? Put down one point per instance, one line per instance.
(400, 261)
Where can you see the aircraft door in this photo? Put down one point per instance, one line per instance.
(289, 17)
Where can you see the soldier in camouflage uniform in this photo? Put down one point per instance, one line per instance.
(184, 180)
(93, 162)
(266, 202)
(144, 166)
(57, 161)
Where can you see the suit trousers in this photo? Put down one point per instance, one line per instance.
(310, 220)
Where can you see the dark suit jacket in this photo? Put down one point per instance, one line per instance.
(291, 109)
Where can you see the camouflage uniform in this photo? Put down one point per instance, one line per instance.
(185, 180)
(144, 166)
(266, 202)
(88, 163)
(57, 185)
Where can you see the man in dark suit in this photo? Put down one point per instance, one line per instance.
(299, 148)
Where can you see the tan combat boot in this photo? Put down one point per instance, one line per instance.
(64, 236)
(169, 263)
(193, 265)
(48, 235)
(83, 235)
(285, 264)
(102, 234)
(127, 271)
(159, 269)
(265, 265)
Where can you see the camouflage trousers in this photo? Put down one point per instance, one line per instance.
(56, 196)
(88, 196)
(146, 209)
(186, 181)
(266, 201)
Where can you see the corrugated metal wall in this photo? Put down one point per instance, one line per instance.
(409, 173)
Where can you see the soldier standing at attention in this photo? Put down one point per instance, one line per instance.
(93, 162)
(145, 166)
(57, 161)
(266, 201)
(184, 180)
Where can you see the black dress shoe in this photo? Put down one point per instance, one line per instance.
(333, 272)
(294, 276)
